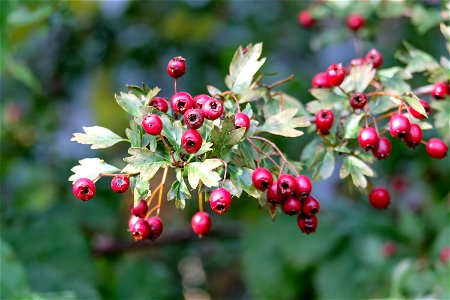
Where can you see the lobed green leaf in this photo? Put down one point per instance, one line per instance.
(284, 124)
(97, 136)
(203, 171)
(145, 162)
(91, 168)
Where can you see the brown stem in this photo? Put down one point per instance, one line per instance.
(345, 93)
(381, 93)
(234, 98)
(279, 82)
(324, 138)
(200, 197)
(168, 148)
(265, 154)
(163, 180)
(112, 175)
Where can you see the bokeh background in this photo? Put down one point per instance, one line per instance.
(62, 62)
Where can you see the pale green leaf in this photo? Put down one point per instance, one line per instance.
(203, 171)
(359, 78)
(416, 60)
(325, 166)
(284, 124)
(91, 168)
(144, 162)
(142, 190)
(151, 94)
(213, 90)
(97, 136)
(414, 102)
(130, 103)
(351, 126)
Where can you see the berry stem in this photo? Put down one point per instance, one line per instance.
(234, 98)
(279, 82)
(175, 83)
(168, 148)
(163, 180)
(327, 141)
(373, 118)
(226, 170)
(200, 197)
(386, 115)
(265, 154)
(381, 93)
(345, 93)
(424, 90)
(112, 175)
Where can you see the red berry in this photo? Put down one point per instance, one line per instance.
(414, 136)
(358, 100)
(193, 118)
(120, 183)
(304, 186)
(176, 67)
(199, 100)
(191, 141)
(418, 115)
(140, 229)
(160, 103)
(307, 224)
(388, 249)
(262, 179)
(379, 198)
(132, 221)
(310, 206)
(220, 200)
(212, 109)
(444, 255)
(84, 189)
(139, 210)
(291, 206)
(320, 81)
(156, 227)
(241, 120)
(436, 148)
(324, 120)
(152, 124)
(383, 149)
(375, 58)
(399, 126)
(201, 223)
(305, 19)
(274, 195)
(181, 102)
(440, 90)
(335, 74)
(355, 22)
(368, 138)
(286, 184)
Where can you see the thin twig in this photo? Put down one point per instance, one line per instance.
(279, 82)
(262, 152)
(163, 180)
(168, 148)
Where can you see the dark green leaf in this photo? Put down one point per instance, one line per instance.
(226, 137)
(425, 19)
(13, 281)
(172, 131)
(91, 168)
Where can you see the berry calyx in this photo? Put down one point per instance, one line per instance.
(379, 198)
(310, 206)
(440, 90)
(262, 179)
(274, 195)
(355, 22)
(212, 109)
(305, 19)
(193, 118)
(286, 184)
(418, 115)
(140, 229)
(335, 74)
(304, 186)
(436, 148)
(399, 126)
(220, 200)
(307, 224)
(160, 103)
(320, 81)
(199, 100)
(375, 58)
(358, 100)
(368, 138)
(120, 183)
(324, 120)
(152, 124)
(201, 223)
(176, 67)
(84, 189)
(140, 209)
(241, 120)
(181, 102)
(156, 227)
(191, 141)
(291, 206)
(414, 136)
(383, 149)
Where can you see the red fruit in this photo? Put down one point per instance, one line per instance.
(305, 19)
(368, 138)
(156, 227)
(160, 103)
(181, 102)
(335, 74)
(274, 195)
(199, 100)
(304, 186)
(291, 206)
(383, 149)
(193, 118)
(418, 115)
(436, 148)
(152, 124)
(201, 223)
(220, 200)
(324, 120)
(440, 90)
(286, 184)
(414, 136)
(358, 100)
(241, 120)
(132, 221)
(307, 224)
(212, 109)
(444, 256)
(320, 81)
(355, 22)
(140, 209)
(191, 141)
(379, 198)
(84, 189)
(120, 183)
(388, 249)
(310, 206)
(399, 126)
(176, 67)
(375, 58)
(140, 229)
(262, 179)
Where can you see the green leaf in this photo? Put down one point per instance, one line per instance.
(134, 135)
(130, 103)
(351, 126)
(13, 275)
(202, 171)
(151, 94)
(226, 137)
(416, 60)
(97, 136)
(142, 190)
(326, 99)
(241, 178)
(414, 102)
(179, 191)
(290, 102)
(441, 112)
(144, 162)
(213, 90)
(323, 165)
(22, 72)
(172, 131)
(284, 124)
(358, 169)
(23, 15)
(359, 78)
(394, 79)
(91, 168)
(424, 19)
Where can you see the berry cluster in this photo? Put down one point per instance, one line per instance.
(354, 21)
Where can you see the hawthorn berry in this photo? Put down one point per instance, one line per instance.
(440, 90)
(320, 81)
(156, 227)
(399, 126)
(324, 120)
(241, 120)
(181, 102)
(414, 136)
(286, 184)
(84, 189)
(160, 103)
(358, 100)
(139, 229)
(193, 118)
(310, 206)
(335, 74)
(262, 179)
(201, 223)
(304, 186)
(436, 148)
(375, 58)
(291, 206)
(120, 183)
(274, 195)
(152, 124)
(383, 148)
(191, 141)
(379, 198)
(212, 109)
(305, 19)
(388, 249)
(355, 22)
(417, 114)
(140, 209)
(176, 67)
(368, 138)
(444, 255)
(307, 224)
(220, 200)
(132, 221)
(199, 100)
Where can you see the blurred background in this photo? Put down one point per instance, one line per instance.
(62, 62)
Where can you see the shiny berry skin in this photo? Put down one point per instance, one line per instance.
(368, 138)
(291, 206)
(120, 183)
(220, 200)
(262, 179)
(324, 121)
(176, 67)
(414, 136)
(310, 206)
(304, 186)
(199, 100)
(140, 229)
(286, 184)
(383, 149)
(320, 81)
(191, 141)
(201, 223)
(335, 74)
(241, 120)
(140, 209)
(305, 19)
(84, 189)
(274, 195)
(156, 227)
(358, 100)
(152, 124)
(436, 148)
(307, 224)
(212, 109)
(375, 58)
(379, 198)
(355, 22)
(440, 90)
(193, 118)
(181, 102)
(399, 126)
(160, 103)
(418, 115)
(132, 221)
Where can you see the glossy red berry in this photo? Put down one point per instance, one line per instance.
(305, 19)
(310, 206)
(152, 124)
(324, 120)
(379, 198)
(220, 200)
(212, 109)
(199, 100)
(320, 81)
(193, 118)
(156, 227)
(286, 184)
(358, 100)
(307, 224)
(304, 186)
(335, 74)
(241, 120)
(383, 149)
(291, 206)
(274, 195)
(176, 67)
(262, 179)
(191, 141)
(140, 209)
(140, 229)
(84, 189)
(375, 58)
(399, 126)
(368, 138)
(440, 90)
(355, 22)
(160, 103)
(201, 223)
(181, 102)
(120, 183)
(132, 221)
(418, 115)
(414, 136)
(436, 148)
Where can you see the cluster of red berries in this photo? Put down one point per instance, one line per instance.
(354, 22)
